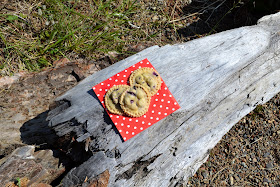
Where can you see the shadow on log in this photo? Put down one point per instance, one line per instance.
(36, 132)
(217, 80)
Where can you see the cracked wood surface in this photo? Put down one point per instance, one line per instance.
(217, 80)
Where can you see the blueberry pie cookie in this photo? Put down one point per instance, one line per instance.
(112, 99)
(135, 101)
(148, 78)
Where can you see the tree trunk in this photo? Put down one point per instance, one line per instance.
(217, 80)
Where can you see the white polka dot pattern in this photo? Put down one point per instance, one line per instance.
(162, 104)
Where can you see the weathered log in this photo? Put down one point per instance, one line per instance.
(35, 167)
(216, 80)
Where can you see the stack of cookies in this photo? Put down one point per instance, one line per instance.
(134, 100)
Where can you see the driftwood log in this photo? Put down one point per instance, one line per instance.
(217, 80)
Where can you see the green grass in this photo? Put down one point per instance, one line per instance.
(34, 34)
(18, 182)
(56, 28)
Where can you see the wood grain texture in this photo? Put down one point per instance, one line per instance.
(216, 80)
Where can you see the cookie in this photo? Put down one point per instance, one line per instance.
(135, 101)
(148, 78)
(112, 99)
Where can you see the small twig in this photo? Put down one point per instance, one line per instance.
(234, 6)
(217, 174)
(214, 10)
(257, 140)
(185, 17)
(262, 168)
(250, 183)
(173, 11)
(133, 26)
(208, 5)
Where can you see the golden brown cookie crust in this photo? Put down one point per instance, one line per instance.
(148, 78)
(135, 101)
(112, 98)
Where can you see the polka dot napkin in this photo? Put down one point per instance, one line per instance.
(162, 104)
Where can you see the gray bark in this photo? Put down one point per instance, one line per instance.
(217, 80)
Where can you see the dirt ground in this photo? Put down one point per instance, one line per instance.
(248, 155)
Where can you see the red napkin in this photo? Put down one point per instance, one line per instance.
(162, 104)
